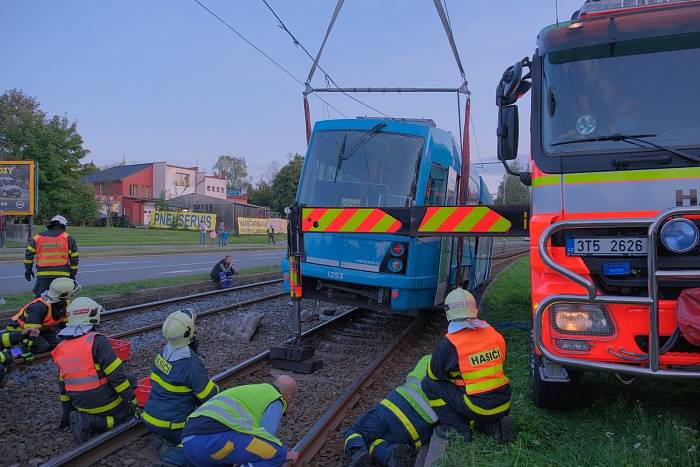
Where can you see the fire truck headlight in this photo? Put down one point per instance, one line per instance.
(679, 235)
(581, 319)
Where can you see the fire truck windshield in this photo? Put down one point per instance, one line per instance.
(644, 87)
(381, 171)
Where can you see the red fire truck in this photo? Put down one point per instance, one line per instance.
(614, 176)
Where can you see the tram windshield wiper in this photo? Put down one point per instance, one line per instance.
(637, 140)
(344, 154)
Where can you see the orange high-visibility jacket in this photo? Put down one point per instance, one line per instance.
(48, 322)
(75, 364)
(481, 354)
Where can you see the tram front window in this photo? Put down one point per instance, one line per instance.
(351, 168)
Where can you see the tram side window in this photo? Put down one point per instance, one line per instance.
(436, 193)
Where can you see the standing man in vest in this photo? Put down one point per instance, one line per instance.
(36, 326)
(465, 380)
(393, 428)
(238, 426)
(96, 393)
(56, 255)
(179, 383)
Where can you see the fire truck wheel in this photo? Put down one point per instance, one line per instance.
(547, 395)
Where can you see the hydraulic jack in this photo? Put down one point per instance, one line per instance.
(295, 355)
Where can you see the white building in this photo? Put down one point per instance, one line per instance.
(210, 185)
(173, 181)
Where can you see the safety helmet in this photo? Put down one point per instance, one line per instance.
(61, 289)
(60, 220)
(460, 305)
(179, 329)
(84, 310)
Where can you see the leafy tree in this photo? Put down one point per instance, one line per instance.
(511, 191)
(261, 193)
(284, 185)
(235, 170)
(26, 133)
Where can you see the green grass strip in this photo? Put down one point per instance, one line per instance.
(649, 422)
(15, 301)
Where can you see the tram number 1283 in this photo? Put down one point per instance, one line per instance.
(335, 275)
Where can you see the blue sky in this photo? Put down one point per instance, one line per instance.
(163, 80)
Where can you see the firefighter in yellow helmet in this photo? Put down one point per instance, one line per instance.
(179, 384)
(95, 391)
(36, 326)
(56, 255)
(465, 380)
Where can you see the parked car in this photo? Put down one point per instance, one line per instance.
(9, 188)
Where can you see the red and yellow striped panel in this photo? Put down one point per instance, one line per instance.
(294, 280)
(464, 219)
(348, 220)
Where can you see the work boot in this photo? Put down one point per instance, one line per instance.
(79, 427)
(505, 433)
(401, 456)
(359, 458)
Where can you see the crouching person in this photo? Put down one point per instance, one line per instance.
(465, 380)
(179, 384)
(393, 428)
(238, 426)
(96, 393)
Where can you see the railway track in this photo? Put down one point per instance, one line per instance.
(101, 446)
(113, 314)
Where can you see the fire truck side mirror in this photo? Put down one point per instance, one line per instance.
(507, 132)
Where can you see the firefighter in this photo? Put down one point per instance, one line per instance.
(238, 426)
(395, 426)
(36, 326)
(179, 382)
(95, 391)
(465, 380)
(56, 255)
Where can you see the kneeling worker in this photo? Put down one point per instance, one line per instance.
(395, 426)
(45, 315)
(96, 392)
(238, 426)
(179, 380)
(465, 379)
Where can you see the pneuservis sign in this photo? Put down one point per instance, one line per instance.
(182, 220)
(18, 180)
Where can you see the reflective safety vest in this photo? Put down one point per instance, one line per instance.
(48, 322)
(413, 393)
(481, 354)
(241, 408)
(76, 365)
(52, 251)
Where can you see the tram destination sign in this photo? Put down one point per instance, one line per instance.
(18, 182)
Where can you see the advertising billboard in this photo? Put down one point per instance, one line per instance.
(18, 188)
(255, 226)
(182, 220)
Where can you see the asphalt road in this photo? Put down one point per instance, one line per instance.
(130, 268)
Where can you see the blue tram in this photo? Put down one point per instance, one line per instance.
(371, 162)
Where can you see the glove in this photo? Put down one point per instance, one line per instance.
(28, 274)
(137, 409)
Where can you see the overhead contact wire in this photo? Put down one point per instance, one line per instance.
(262, 52)
(298, 43)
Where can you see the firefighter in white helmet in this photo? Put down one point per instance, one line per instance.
(96, 392)
(179, 383)
(56, 255)
(465, 380)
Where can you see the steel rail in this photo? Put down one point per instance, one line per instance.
(105, 444)
(152, 326)
(185, 298)
(316, 437)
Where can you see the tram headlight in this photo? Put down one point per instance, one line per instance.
(581, 319)
(395, 265)
(679, 235)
